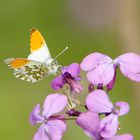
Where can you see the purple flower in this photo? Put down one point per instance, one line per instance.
(90, 123)
(52, 127)
(98, 102)
(102, 69)
(70, 76)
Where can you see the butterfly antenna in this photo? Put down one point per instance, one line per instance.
(60, 53)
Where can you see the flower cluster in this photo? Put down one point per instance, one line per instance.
(100, 121)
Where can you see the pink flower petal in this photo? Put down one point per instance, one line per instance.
(89, 122)
(109, 126)
(41, 134)
(130, 65)
(35, 116)
(73, 69)
(57, 82)
(54, 103)
(111, 84)
(123, 137)
(102, 74)
(124, 108)
(52, 130)
(93, 60)
(98, 102)
(55, 129)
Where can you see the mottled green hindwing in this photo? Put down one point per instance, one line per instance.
(32, 72)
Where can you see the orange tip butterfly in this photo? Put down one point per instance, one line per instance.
(39, 63)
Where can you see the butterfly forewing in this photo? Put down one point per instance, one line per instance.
(38, 47)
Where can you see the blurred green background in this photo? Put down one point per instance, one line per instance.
(106, 26)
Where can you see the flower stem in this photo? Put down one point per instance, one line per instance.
(72, 118)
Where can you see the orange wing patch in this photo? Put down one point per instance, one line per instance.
(36, 40)
(17, 63)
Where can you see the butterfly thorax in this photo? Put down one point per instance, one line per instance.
(52, 66)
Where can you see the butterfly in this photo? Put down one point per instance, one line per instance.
(39, 63)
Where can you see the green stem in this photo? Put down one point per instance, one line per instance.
(72, 118)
